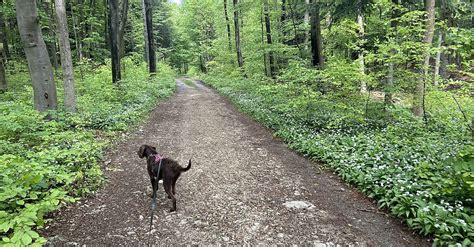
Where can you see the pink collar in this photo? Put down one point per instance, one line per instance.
(158, 157)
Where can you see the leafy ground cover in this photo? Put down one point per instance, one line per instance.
(48, 161)
(421, 172)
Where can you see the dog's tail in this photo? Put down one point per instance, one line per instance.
(187, 167)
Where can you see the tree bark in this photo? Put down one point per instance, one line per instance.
(149, 28)
(267, 71)
(306, 22)
(51, 31)
(268, 29)
(227, 22)
(3, 35)
(66, 58)
(114, 49)
(316, 39)
(121, 30)
(360, 23)
(390, 78)
(3, 79)
(438, 59)
(145, 33)
(419, 95)
(240, 59)
(77, 37)
(39, 65)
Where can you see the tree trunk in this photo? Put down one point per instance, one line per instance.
(438, 59)
(39, 65)
(3, 79)
(419, 95)
(66, 58)
(77, 38)
(360, 23)
(149, 28)
(145, 33)
(306, 22)
(3, 35)
(240, 59)
(267, 71)
(114, 49)
(391, 66)
(51, 31)
(268, 29)
(121, 30)
(227, 22)
(316, 39)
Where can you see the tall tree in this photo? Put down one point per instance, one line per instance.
(3, 34)
(51, 33)
(66, 58)
(145, 32)
(228, 25)
(149, 28)
(41, 72)
(360, 23)
(114, 39)
(316, 39)
(240, 59)
(419, 95)
(268, 30)
(3, 79)
(121, 29)
(390, 78)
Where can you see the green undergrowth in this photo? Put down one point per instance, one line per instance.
(421, 172)
(46, 162)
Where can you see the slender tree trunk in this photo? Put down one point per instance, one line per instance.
(240, 59)
(306, 22)
(3, 79)
(438, 59)
(145, 33)
(390, 78)
(51, 31)
(419, 95)
(267, 71)
(3, 35)
(268, 29)
(121, 30)
(77, 38)
(66, 58)
(227, 22)
(39, 65)
(149, 28)
(316, 39)
(283, 18)
(360, 23)
(113, 30)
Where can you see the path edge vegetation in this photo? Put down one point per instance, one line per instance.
(49, 159)
(285, 110)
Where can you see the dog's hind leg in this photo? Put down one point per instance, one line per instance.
(167, 186)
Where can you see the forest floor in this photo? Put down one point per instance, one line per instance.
(235, 192)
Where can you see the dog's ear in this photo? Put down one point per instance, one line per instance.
(153, 148)
(141, 151)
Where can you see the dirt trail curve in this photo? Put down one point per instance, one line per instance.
(234, 193)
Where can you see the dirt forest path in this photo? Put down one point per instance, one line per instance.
(235, 192)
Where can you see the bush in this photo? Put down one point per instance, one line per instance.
(46, 163)
(421, 172)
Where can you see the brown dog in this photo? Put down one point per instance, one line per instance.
(170, 171)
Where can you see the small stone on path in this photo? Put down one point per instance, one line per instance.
(298, 205)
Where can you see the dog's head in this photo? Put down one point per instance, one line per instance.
(143, 149)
